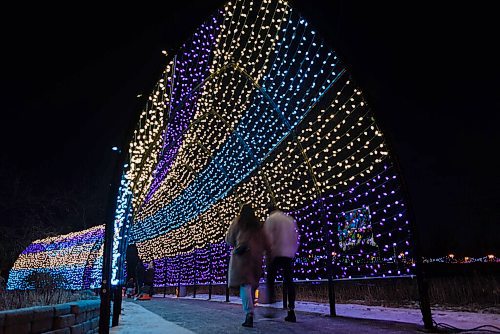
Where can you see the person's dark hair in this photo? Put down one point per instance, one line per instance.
(247, 218)
(270, 206)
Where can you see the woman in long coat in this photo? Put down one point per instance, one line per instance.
(245, 266)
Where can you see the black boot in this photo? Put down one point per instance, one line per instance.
(291, 316)
(248, 321)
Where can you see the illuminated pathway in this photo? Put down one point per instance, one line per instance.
(207, 317)
(216, 316)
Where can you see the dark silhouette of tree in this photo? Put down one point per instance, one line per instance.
(28, 214)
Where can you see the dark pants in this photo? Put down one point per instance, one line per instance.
(286, 264)
(148, 287)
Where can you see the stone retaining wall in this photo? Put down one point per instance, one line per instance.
(80, 317)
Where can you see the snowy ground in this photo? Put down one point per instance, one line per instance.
(464, 320)
(132, 321)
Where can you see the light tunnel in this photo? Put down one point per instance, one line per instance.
(69, 261)
(257, 107)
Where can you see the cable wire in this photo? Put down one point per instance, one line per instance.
(482, 328)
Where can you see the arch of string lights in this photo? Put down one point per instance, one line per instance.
(256, 107)
(74, 260)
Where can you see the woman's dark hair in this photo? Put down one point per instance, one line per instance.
(270, 206)
(248, 219)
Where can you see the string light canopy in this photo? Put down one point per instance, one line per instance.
(74, 261)
(256, 107)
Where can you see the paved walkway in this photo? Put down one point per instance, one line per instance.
(136, 319)
(457, 319)
(187, 316)
(207, 317)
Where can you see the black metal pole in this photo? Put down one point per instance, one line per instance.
(331, 237)
(179, 277)
(105, 291)
(227, 274)
(330, 265)
(165, 272)
(105, 288)
(194, 275)
(331, 296)
(327, 234)
(210, 271)
(117, 305)
(422, 285)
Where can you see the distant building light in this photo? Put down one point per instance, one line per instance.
(114, 148)
(164, 52)
(451, 256)
(491, 256)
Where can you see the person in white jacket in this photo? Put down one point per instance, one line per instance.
(281, 231)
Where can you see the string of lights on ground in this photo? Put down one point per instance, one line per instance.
(74, 261)
(256, 107)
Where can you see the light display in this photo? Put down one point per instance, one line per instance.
(121, 223)
(74, 260)
(255, 107)
(356, 230)
(452, 259)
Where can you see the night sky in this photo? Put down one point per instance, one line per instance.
(70, 77)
